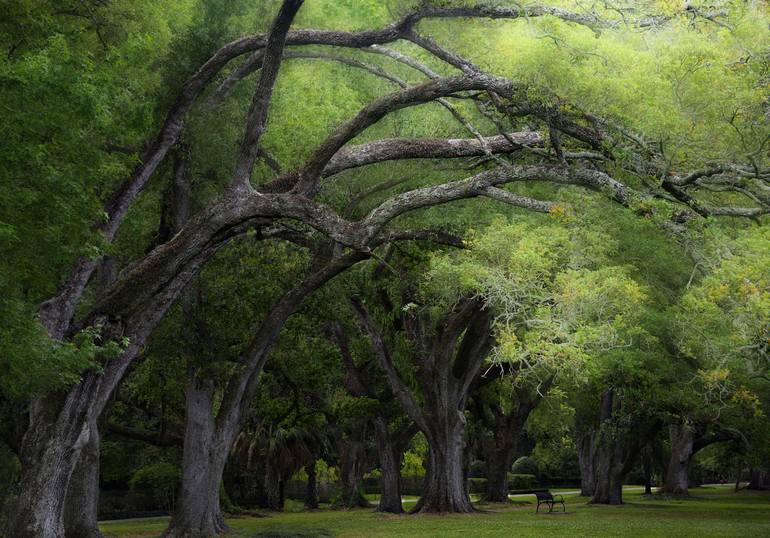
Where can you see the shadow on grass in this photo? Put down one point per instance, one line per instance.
(292, 532)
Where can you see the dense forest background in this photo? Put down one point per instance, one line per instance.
(602, 318)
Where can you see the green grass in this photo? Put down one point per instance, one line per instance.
(711, 512)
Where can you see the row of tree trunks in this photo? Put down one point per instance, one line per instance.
(608, 451)
(390, 445)
(505, 429)
(454, 347)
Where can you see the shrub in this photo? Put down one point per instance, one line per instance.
(478, 485)
(161, 480)
(525, 465)
(521, 481)
(478, 469)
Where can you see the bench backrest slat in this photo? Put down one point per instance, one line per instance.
(544, 495)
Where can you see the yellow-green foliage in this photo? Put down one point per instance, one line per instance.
(555, 295)
(727, 315)
(698, 87)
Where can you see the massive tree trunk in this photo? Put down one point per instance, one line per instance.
(505, 429)
(610, 455)
(390, 468)
(617, 450)
(82, 502)
(445, 487)
(59, 428)
(586, 449)
(609, 478)
(227, 423)
(677, 475)
(498, 465)
(198, 512)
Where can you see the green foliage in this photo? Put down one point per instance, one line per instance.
(71, 87)
(477, 485)
(517, 481)
(556, 297)
(524, 465)
(161, 479)
(33, 362)
(413, 463)
(725, 319)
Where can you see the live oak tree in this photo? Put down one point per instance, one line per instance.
(391, 430)
(720, 329)
(600, 151)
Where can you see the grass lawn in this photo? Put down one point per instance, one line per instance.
(711, 512)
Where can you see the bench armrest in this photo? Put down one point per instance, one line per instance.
(560, 498)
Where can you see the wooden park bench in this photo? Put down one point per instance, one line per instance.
(545, 497)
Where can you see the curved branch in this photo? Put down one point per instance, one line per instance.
(397, 384)
(477, 185)
(307, 176)
(427, 148)
(256, 118)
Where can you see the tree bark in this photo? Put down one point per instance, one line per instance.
(617, 450)
(390, 467)
(198, 512)
(647, 461)
(352, 468)
(586, 460)
(610, 456)
(677, 475)
(757, 480)
(273, 488)
(445, 488)
(82, 501)
(498, 466)
(59, 427)
(311, 493)
(609, 479)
